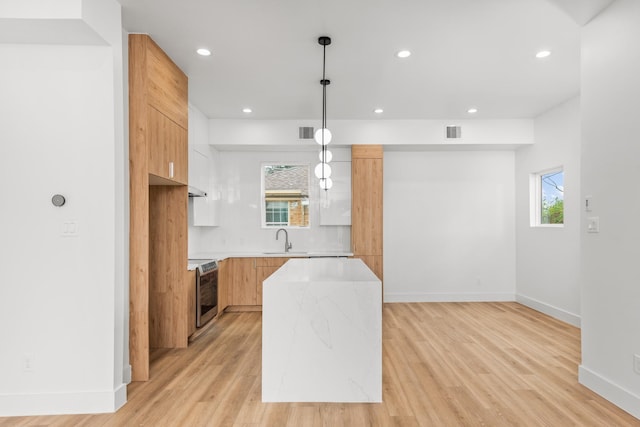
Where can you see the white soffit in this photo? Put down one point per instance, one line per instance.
(582, 11)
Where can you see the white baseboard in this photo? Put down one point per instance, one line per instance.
(447, 297)
(558, 313)
(126, 374)
(120, 396)
(615, 394)
(91, 402)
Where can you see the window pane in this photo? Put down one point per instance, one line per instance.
(552, 198)
(277, 213)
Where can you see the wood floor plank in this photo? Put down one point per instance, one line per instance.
(444, 364)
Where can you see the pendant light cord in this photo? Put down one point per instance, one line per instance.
(324, 108)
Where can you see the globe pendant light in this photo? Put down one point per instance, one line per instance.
(323, 135)
(327, 156)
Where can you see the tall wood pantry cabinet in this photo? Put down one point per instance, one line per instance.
(366, 205)
(158, 172)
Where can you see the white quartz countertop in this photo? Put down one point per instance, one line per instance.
(323, 270)
(219, 256)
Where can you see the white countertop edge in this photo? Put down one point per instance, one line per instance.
(220, 256)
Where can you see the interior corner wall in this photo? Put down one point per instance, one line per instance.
(548, 258)
(62, 269)
(449, 226)
(610, 267)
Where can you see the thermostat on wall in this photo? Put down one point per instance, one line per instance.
(58, 200)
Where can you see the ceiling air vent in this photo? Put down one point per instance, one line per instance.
(454, 132)
(305, 132)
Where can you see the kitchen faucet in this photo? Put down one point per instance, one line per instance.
(287, 244)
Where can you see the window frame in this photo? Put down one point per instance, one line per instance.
(263, 201)
(535, 193)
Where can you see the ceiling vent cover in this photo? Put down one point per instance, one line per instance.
(454, 132)
(305, 132)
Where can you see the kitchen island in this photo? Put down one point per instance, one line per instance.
(322, 332)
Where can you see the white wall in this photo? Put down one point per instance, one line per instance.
(610, 260)
(240, 209)
(548, 259)
(62, 299)
(449, 232)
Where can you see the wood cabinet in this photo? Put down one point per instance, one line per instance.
(366, 205)
(158, 121)
(265, 267)
(224, 284)
(241, 281)
(190, 285)
(167, 148)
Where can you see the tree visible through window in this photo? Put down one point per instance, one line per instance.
(549, 193)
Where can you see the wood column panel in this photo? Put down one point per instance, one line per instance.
(138, 216)
(366, 152)
(367, 205)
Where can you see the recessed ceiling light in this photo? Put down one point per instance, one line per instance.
(378, 111)
(247, 110)
(203, 52)
(472, 110)
(403, 54)
(543, 54)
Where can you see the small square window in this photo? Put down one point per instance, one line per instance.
(285, 195)
(547, 198)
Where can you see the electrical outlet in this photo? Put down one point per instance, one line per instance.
(636, 363)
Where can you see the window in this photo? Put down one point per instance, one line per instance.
(277, 213)
(285, 195)
(547, 189)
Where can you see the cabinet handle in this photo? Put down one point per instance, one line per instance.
(170, 169)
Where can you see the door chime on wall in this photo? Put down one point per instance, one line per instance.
(323, 135)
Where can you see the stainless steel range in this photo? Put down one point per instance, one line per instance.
(206, 289)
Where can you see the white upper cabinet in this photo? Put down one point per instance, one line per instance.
(199, 169)
(335, 204)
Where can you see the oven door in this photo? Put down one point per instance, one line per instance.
(206, 296)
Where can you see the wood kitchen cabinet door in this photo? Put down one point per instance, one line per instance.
(265, 267)
(224, 297)
(190, 285)
(242, 277)
(167, 148)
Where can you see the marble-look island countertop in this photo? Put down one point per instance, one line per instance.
(322, 332)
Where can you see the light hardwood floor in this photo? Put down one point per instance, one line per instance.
(444, 364)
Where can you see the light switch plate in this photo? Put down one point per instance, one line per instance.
(593, 224)
(588, 203)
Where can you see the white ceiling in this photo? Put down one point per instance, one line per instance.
(465, 53)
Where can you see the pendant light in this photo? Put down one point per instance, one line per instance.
(323, 135)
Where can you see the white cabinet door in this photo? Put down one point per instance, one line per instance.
(203, 212)
(335, 203)
(198, 169)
